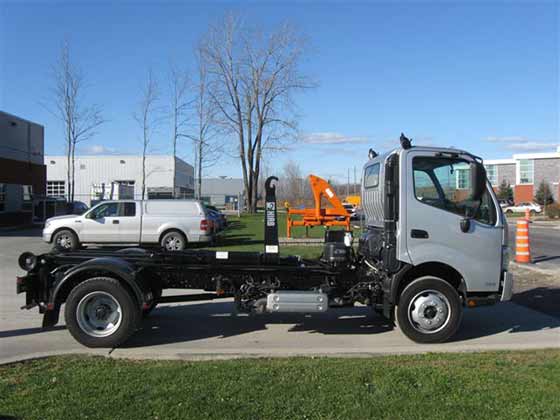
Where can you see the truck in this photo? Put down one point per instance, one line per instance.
(434, 245)
(171, 223)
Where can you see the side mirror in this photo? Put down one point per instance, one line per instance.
(478, 180)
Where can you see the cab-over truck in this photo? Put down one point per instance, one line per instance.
(435, 243)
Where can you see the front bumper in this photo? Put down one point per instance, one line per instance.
(47, 236)
(507, 287)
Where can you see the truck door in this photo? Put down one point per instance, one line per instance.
(129, 222)
(438, 198)
(101, 224)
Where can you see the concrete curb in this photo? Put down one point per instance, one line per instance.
(533, 267)
(199, 357)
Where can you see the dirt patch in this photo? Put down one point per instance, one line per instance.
(538, 290)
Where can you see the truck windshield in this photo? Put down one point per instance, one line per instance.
(445, 183)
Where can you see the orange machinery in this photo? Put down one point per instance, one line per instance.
(336, 215)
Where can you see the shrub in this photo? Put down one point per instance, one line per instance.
(553, 211)
(544, 194)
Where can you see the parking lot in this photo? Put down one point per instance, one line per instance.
(213, 330)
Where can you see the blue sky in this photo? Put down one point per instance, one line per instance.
(480, 76)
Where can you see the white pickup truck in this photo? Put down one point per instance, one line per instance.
(171, 223)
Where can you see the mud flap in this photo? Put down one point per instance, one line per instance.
(50, 318)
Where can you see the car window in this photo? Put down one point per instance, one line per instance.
(127, 209)
(445, 183)
(106, 210)
(371, 176)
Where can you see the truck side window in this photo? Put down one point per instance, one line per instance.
(445, 183)
(106, 210)
(128, 210)
(371, 176)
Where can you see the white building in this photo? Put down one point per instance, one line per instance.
(105, 177)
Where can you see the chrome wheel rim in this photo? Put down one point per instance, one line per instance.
(99, 314)
(65, 241)
(429, 311)
(173, 243)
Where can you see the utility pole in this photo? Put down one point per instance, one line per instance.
(355, 180)
(348, 183)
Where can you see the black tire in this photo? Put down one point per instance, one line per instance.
(65, 240)
(106, 287)
(441, 292)
(509, 211)
(156, 291)
(173, 240)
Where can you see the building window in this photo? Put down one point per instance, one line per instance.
(2, 197)
(463, 181)
(526, 171)
(82, 166)
(127, 183)
(27, 195)
(492, 174)
(56, 188)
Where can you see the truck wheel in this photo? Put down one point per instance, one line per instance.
(100, 312)
(174, 241)
(65, 240)
(429, 310)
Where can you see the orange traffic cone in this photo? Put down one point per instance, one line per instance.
(527, 214)
(522, 249)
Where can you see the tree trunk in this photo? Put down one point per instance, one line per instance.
(199, 185)
(73, 171)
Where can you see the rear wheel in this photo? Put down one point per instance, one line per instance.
(173, 241)
(101, 312)
(65, 240)
(429, 310)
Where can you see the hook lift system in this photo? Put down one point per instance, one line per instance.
(107, 292)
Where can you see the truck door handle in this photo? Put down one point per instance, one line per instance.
(419, 234)
(115, 222)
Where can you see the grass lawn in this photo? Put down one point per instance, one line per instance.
(501, 385)
(246, 233)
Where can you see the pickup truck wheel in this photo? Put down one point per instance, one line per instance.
(65, 240)
(100, 312)
(174, 241)
(429, 310)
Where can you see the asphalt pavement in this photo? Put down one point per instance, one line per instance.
(201, 330)
(544, 242)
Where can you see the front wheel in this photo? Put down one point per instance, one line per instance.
(65, 240)
(100, 312)
(429, 310)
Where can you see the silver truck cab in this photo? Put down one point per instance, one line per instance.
(438, 227)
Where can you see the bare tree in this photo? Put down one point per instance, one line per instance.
(292, 188)
(179, 86)
(254, 77)
(80, 121)
(147, 119)
(207, 150)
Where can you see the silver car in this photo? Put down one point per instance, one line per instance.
(170, 223)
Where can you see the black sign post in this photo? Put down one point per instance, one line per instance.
(271, 249)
